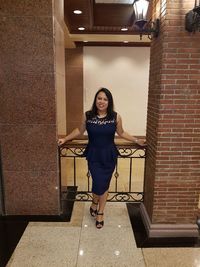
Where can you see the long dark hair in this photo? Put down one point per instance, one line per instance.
(110, 109)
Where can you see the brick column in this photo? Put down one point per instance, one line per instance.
(172, 179)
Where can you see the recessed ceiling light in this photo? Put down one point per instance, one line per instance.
(125, 42)
(124, 29)
(77, 12)
(81, 28)
(85, 41)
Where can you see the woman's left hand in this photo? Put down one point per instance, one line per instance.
(141, 142)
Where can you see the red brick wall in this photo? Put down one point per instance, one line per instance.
(172, 182)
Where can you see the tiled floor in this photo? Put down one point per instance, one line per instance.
(79, 243)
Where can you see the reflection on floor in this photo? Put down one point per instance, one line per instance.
(79, 243)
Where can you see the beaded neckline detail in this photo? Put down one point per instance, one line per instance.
(103, 120)
(99, 117)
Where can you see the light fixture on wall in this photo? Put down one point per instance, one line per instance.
(144, 26)
(192, 18)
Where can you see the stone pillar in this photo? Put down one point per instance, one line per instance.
(172, 172)
(28, 119)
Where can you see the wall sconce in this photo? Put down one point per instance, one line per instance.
(145, 27)
(192, 18)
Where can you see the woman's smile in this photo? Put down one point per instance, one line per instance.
(102, 102)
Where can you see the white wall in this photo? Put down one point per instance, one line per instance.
(125, 72)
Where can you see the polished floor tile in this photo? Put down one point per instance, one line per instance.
(115, 214)
(172, 257)
(113, 245)
(47, 246)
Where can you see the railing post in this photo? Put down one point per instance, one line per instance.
(59, 175)
(130, 175)
(74, 171)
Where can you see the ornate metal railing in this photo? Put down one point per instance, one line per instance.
(74, 151)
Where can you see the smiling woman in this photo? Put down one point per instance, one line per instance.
(101, 123)
(102, 104)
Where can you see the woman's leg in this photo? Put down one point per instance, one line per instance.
(102, 203)
(95, 198)
(95, 201)
(94, 205)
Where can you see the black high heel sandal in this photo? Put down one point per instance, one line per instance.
(99, 224)
(93, 212)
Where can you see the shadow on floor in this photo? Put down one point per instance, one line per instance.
(10, 232)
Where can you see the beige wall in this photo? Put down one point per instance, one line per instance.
(124, 71)
(74, 87)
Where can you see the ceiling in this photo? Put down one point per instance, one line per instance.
(103, 21)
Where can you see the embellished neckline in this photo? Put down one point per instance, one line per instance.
(99, 117)
(101, 121)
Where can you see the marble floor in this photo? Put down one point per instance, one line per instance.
(79, 243)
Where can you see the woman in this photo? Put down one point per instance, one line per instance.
(101, 123)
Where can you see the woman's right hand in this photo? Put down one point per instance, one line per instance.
(141, 142)
(61, 141)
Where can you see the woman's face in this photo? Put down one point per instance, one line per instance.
(102, 102)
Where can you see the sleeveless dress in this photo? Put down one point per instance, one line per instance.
(101, 152)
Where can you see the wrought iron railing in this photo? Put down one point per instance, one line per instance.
(73, 151)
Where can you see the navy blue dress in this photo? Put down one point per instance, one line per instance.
(101, 152)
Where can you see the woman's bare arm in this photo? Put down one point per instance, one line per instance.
(75, 133)
(120, 131)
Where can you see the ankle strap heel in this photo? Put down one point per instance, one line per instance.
(99, 224)
(93, 212)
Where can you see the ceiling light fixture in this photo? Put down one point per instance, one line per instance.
(192, 18)
(77, 12)
(144, 26)
(81, 28)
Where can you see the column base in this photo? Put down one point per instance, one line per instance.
(167, 230)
